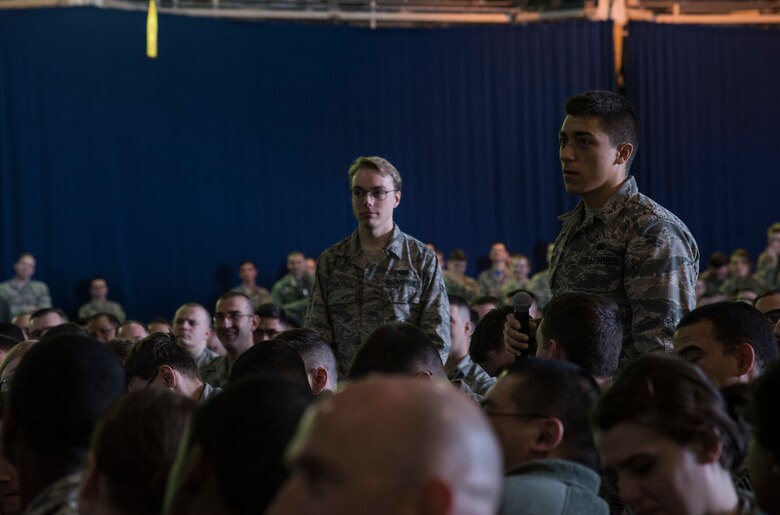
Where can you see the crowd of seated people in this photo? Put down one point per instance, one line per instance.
(236, 409)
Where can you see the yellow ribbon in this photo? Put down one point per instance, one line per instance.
(151, 31)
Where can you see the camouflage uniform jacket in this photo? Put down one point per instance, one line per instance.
(473, 375)
(25, 297)
(539, 285)
(491, 282)
(461, 285)
(205, 356)
(636, 253)
(293, 295)
(92, 308)
(353, 296)
(59, 498)
(768, 271)
(215, 372)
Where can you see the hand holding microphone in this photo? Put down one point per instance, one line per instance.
(519, 328)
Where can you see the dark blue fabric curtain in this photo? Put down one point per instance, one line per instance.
(234, 144)
(708, 100)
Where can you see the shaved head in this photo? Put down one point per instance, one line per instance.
(393, 444)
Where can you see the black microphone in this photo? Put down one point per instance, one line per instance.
(521, 303)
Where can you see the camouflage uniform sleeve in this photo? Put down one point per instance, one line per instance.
(767, 271)
(43, 299)
(276, 292)
(661, 267)
(317, 316)
(435, 320)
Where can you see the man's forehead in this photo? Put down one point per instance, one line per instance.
(574, 124)
(768, 303)
(367, 178)
(190, 313)
(232, 304)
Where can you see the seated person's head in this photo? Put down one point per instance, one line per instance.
(44, 319)
(484, 305)
(12, 331)
(764, 450)
(583, 328)
(317, 355)
(232, 461)
(71, 328)
(103, 327)
(273, 320)
(663, 428)
(60, 390)
(132, 451)
(132, 330)
(158, 361)
(729, 341)
(274, 356)
(393, 445)
(397, 348)
(539, 410)
(487, 343)
(160, 325)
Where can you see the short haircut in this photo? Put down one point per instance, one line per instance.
(45, 311)
(97, 278)
(60, 390)
(674, 398)
(136, 443)
(246, 262)
(562, 390)
(742, 253)
(614, 113)
(588, 328)
(158, 349)
(487, 299)
(273, 356)
(775, 227)
(377, 164)
(7, 343)
(312, 348)
(12, 331)
(195, 305)
(66, 328)
(159, 320)
(718, 260)
(764, 414)
(461, 303)
(260, 415)
(489, 334)
(296, 253)
(396, 348)
(275, 311)
(109, 316)
(121, 347)
(458, 255)
(233, 294)
(735, 322)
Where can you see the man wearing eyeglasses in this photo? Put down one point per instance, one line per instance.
(539, 410)
(234, 322)
(377, 274)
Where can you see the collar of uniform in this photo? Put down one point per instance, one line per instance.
(394, 244)
(611, 207)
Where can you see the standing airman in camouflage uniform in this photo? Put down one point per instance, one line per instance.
(617, 242)
(378, 273)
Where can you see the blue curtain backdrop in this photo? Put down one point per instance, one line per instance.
(708, 100)
(234, 144)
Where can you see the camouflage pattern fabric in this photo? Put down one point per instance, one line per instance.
(768, 271)
(59, 498)
(293, 295)
(259, 295)
(491, 282)
(473, 375)
(353, 296)
(205, 356)
(93, 308)
(461, 285)
(215, 372)
(26, 297)
(732, 285)
(638, 254)
(539, 285)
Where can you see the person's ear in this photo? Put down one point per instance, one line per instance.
(424, 374)
(255, 322)
(708, 448)
(397, 197)
(624, 153)
(168, 376)
(319, 380)
(556, 352)
(746, 358)
(549, 435)
(469, 328)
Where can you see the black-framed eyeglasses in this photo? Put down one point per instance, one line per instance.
(360, 193)
(234, 316)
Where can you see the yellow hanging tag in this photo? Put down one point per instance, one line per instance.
(151, 31)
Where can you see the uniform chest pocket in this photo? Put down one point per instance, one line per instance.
(408, 291)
